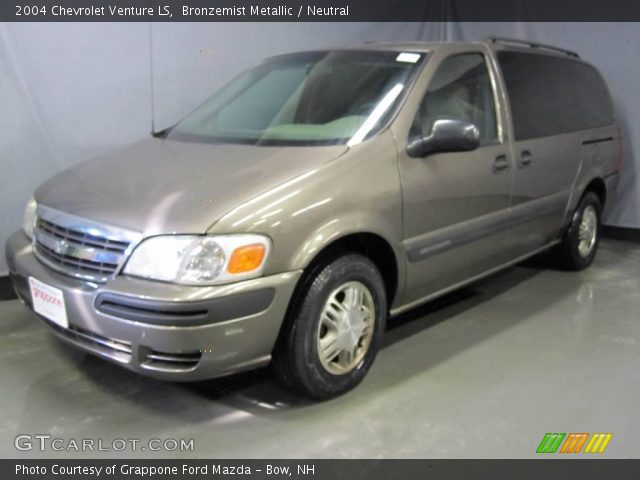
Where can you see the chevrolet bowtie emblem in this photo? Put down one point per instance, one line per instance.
(62, 247)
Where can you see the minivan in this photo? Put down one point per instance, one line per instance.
(316, 196)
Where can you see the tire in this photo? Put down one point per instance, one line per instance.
(573, 253)
(338, 294)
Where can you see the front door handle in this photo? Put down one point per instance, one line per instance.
(500, 164)
(525, 159)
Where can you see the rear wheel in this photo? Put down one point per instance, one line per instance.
(334, 329)
(580, 243)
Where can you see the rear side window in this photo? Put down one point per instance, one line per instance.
(551, 95)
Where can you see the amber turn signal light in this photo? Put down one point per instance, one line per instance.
(245, 259)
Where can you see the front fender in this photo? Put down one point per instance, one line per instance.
(335, 229)
(358, 192)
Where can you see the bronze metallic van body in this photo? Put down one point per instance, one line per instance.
(431, 201)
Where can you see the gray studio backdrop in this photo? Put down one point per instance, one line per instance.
(71, 91)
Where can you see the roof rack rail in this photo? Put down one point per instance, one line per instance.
(542, 46)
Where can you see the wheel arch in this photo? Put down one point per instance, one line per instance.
(598, 186)
(371, 245)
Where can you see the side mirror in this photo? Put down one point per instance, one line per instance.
(447, 135)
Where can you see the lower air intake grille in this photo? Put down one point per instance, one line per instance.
(117, 349)
(171, 361)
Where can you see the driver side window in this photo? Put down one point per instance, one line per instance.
(460, 89)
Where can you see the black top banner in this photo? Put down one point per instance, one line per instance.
(318, 10)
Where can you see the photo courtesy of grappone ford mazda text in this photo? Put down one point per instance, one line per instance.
(314, 197)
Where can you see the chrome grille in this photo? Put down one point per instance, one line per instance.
(81, 238)
(79, 247)
(75, 263)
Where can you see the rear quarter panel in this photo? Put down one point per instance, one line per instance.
(600, 154)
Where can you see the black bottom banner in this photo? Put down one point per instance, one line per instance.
(321, 469)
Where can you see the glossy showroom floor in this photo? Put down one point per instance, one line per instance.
(481, 373)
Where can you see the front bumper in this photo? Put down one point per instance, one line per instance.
(167, 331)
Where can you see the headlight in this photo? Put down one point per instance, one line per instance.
(200, 260)
(29, 217)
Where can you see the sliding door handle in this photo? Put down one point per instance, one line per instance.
(525, 159)
(500, 164)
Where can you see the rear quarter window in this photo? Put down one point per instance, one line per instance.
(553, 95)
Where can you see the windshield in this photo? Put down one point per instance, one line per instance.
(305, 99)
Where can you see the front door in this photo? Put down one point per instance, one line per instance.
(456, 204)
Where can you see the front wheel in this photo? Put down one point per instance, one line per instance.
(580, 243)
(335, 328)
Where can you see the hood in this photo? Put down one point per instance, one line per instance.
(162, 186)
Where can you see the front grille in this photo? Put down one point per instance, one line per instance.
(79, 247)
(82, 238)
(75, 263)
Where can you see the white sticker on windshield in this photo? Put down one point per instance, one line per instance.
(408, 57)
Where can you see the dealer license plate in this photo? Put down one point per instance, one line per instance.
(48, 301)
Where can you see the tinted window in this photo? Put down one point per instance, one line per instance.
(551, 95)
(460, 89)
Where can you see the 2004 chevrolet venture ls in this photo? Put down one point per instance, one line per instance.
(312, 198)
